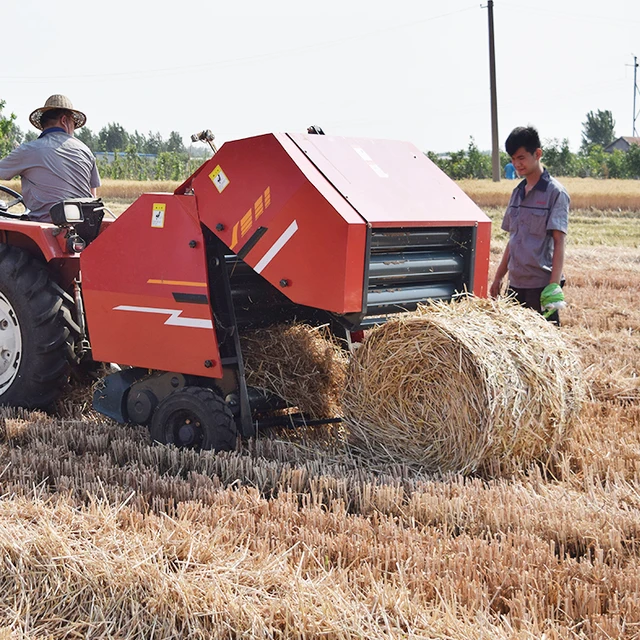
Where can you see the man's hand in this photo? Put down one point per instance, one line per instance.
(494, 292)
(552, 299)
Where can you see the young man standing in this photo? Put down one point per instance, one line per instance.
(537, 219)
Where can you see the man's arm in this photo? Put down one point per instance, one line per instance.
(557, 264)
(501, 272)
(94, 180)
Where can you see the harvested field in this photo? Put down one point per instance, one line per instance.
(104, 535)
(586, 193)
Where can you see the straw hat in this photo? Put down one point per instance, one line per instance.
(57, 102)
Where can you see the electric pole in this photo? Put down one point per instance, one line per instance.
(495, 152)
(635, 93)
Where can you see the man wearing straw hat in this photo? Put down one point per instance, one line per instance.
(537, 220)
(56, 165)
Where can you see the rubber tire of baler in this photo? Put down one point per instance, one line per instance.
(217, 425)
(47, 330)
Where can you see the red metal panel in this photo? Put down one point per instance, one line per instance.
(311, 243)
(389, 183)
(51, 246)
(481, 266)
(130, 275)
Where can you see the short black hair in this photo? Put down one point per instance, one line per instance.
(53, 115)
(526, 137)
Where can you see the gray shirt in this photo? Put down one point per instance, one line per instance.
(54, 167)
(530, 219)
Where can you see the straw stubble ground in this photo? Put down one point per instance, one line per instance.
(104, 535)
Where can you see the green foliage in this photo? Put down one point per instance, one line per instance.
(598, 129)
(112, 138)
(86, 135)
(633, 162)
(466, 163)
(10, 134)
(556, 156)
(168, 165)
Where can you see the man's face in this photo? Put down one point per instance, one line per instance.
(525, 162)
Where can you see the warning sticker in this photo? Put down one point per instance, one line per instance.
(219, 179)
(157, 216)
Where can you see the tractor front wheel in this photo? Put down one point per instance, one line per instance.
(37, 332)
(194, 418)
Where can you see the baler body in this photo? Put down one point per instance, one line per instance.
(309, 227)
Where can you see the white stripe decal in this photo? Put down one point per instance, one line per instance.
(279, 243)
(174, 316)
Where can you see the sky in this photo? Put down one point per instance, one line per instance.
(411, 70)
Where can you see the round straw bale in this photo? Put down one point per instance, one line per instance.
(301, 364)
(476, 385)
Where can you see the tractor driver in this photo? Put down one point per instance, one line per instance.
(56, 166)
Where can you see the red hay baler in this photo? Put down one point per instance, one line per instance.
(274, 228)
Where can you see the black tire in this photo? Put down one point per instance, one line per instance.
(194, 418)
(37, 332)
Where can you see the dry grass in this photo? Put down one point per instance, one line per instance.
(104, 535)
(586, 193)
(300, 364)
(120, 190)
(479, 385)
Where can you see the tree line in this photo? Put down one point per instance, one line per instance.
(593, 162)
(136, 156)
(129, 156)
(598, 131)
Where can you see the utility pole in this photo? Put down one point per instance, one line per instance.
(495, 152)
(635, 93)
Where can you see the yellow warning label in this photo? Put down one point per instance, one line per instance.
(219, 179)
(157, 215)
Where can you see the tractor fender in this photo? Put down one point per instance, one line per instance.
(46, 243)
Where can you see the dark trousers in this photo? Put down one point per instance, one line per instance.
(531, 298)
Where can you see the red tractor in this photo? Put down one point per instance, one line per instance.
(272, 229)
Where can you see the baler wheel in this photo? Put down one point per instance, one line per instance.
(194, 418)
(37, 332)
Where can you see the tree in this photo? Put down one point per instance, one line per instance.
(154, 143)
(633, 161)
(113, 137)
(557, 157)
(7, 132)
(175, 143)
(138, 141)
(598, 129)
(86, 135)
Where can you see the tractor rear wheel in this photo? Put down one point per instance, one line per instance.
(37, 332)
(194, 418)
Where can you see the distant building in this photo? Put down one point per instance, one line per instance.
(622, 143)
(110, 155)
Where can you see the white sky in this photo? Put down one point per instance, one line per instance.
(413, 70)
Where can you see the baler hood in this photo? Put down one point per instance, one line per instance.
(308, 212)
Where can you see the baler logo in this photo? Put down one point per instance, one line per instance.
(175, 318)
(246, 222)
